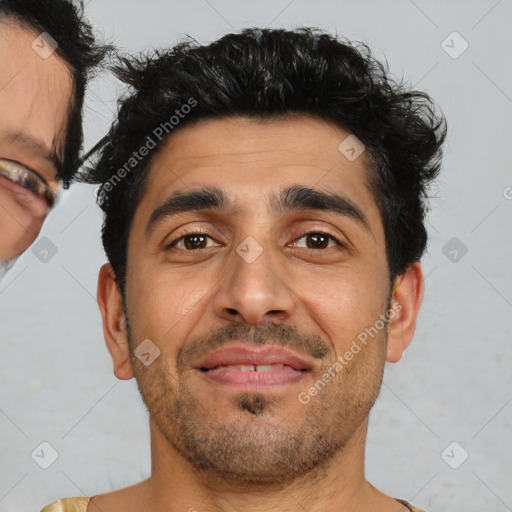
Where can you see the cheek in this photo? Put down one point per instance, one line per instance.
(164, 307)
(18, 228)
(345, 302)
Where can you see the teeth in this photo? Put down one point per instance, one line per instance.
(267, 367)
(257, 368)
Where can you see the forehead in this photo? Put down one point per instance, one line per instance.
(35, 91)
(249, 157)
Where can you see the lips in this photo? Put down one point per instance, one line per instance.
(253, 367)
(244, 356)
(13, 185)
(37, 206)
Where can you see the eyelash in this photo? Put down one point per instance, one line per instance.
(206, 233)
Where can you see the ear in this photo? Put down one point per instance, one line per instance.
(114, 323)
(406, 301)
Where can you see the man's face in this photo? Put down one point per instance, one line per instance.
(256, 279)
(35, 94)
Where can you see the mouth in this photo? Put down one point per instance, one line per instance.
(27, 197)
(13, 185)
(251, 366)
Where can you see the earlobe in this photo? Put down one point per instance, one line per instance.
(406, 301)
(114, 323)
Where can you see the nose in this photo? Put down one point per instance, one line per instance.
(255, 292)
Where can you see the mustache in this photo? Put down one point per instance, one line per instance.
(285, 336)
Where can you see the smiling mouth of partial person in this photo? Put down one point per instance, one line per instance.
(30, 182)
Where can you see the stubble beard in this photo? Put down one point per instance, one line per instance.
(254, 449)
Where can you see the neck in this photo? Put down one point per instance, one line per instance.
(339, 485)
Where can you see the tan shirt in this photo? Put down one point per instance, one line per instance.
(80, 505)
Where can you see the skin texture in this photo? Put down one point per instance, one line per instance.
(214, 447)
(35, 94)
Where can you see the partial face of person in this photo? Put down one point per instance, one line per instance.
(256, 260)
(35, 95)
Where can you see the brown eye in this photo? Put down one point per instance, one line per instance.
(191, 241)
(319, 240)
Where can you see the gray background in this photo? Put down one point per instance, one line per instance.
(454, 383)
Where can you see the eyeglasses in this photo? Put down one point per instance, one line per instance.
(31, 181)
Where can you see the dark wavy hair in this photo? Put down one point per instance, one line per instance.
(64, 21)
(270, 74)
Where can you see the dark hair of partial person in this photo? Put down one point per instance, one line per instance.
(269, 74)
(64, 21)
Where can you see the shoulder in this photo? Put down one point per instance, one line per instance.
(68, 505)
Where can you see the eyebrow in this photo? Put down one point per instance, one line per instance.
(38, 148)
(294, 198)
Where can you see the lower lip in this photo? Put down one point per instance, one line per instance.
(254, 379)
(12, 185)
(36, 205)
